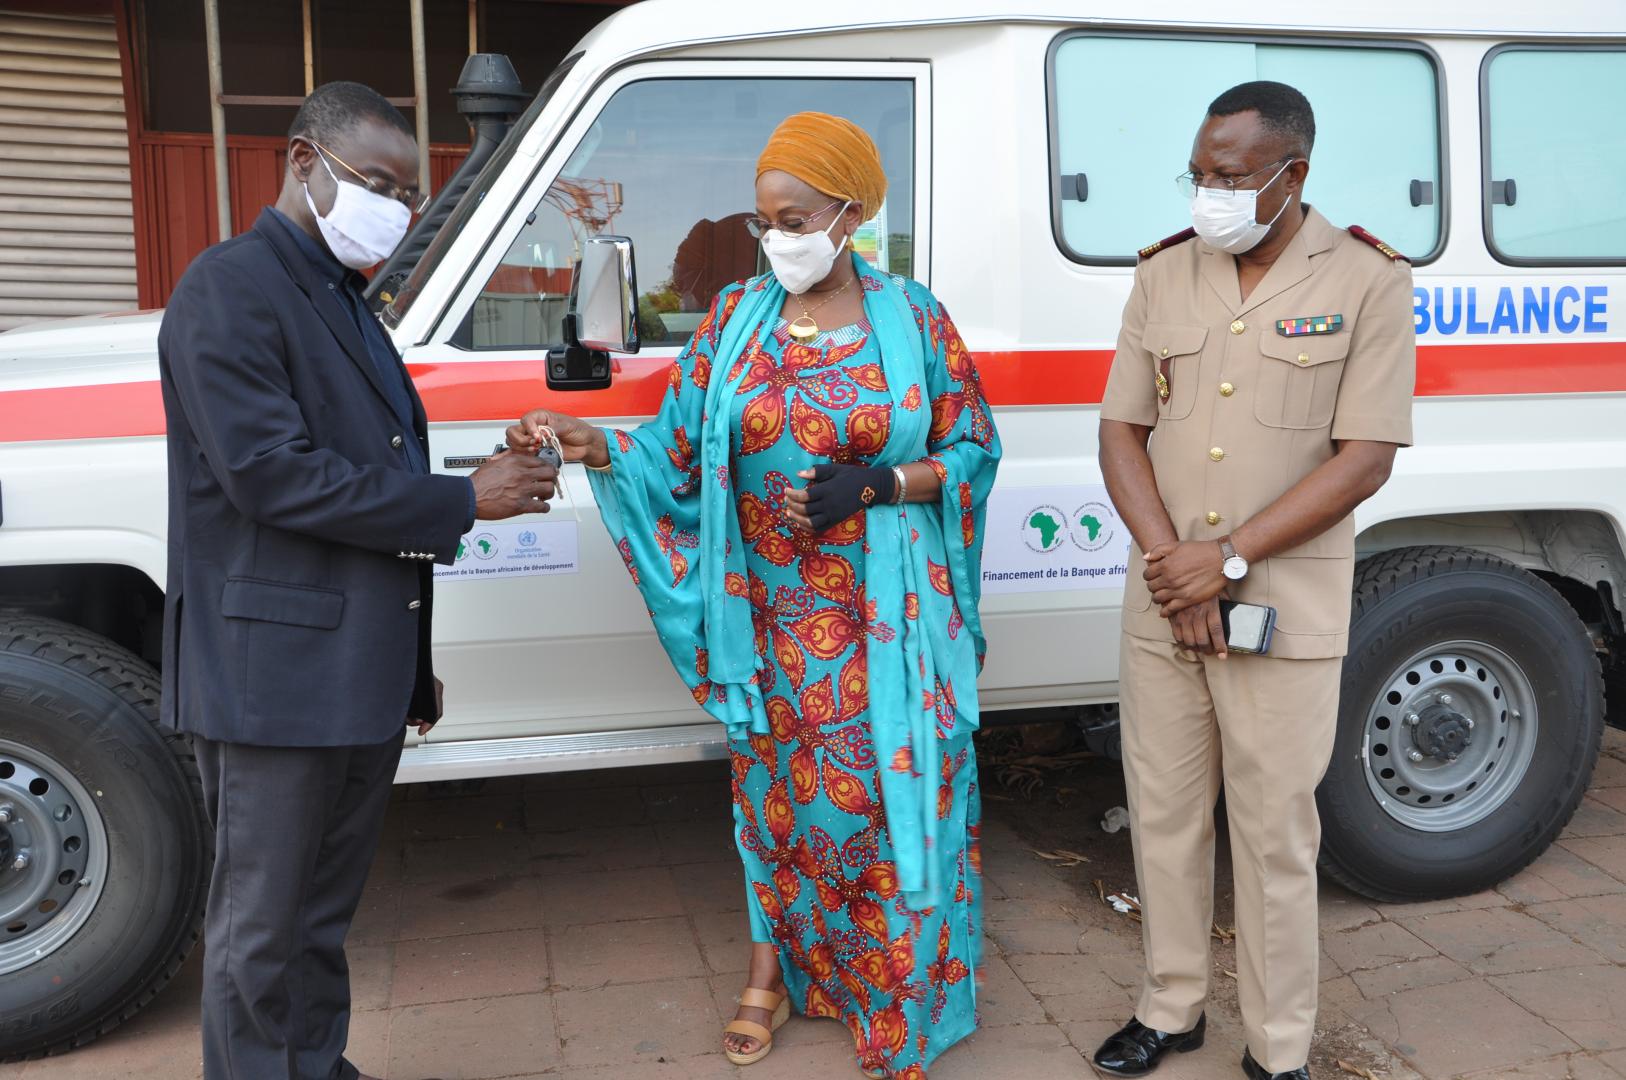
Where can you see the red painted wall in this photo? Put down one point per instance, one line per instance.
(172, 173)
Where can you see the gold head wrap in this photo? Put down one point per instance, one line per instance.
(834, 155)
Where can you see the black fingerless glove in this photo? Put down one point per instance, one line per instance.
(837, 492)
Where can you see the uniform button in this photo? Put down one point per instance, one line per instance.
(1217, 454)
(1164, 351)
(1238, 326)
(415, 605)
(397, 442)
(1304, 358)
(1214, 518)
(1226, 389)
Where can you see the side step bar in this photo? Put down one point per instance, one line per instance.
(475, 758)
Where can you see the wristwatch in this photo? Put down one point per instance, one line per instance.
(1235, 567)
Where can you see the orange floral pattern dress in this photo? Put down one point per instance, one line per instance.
(807, 801)
(810, 814)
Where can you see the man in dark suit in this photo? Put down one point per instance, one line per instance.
(303, 519)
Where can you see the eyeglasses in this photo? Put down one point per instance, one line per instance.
(758, 226)
(1189, 182)
(411, 198)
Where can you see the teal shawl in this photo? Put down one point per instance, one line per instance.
(924, 640)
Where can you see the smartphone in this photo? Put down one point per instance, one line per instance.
(1248, 627)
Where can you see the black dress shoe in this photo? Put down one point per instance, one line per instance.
(1255, 1071)
(1136, 1049)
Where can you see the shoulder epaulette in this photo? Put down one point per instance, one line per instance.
(1167, 242)
(1367, 238)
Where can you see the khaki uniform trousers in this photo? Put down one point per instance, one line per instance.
(1266, 725)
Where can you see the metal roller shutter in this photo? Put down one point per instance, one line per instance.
(67, 238)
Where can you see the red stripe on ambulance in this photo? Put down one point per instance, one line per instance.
(499, 390)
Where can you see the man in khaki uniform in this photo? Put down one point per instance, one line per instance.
(1261, 386)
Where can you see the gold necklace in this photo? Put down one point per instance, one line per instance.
(804, 328)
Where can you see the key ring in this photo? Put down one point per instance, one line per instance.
(550, 439)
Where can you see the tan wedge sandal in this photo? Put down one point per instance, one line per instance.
(776, 1002)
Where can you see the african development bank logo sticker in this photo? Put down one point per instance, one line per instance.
(1033, 545)
(520, 549)
(1043, 528)
(1093, 526)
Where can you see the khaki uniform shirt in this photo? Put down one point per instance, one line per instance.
(1252, 410)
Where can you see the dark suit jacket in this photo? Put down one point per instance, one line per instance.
(300, 541)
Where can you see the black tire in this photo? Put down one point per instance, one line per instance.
(88, 709)
(1418, 613)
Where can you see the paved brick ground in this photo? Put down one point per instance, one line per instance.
(589, 927)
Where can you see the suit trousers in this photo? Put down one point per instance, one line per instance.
(1265, 726)
(296, 829)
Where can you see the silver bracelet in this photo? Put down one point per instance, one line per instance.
(902, 494)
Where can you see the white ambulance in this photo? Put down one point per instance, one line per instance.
(1031, 149)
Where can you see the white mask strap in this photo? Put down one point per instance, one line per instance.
(335, 177)
(1271, 181)
(836, 220)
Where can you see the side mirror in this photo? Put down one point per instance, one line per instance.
(604, 295)
(602, 316)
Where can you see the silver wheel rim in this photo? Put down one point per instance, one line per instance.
(54, 849)
(1450, 736)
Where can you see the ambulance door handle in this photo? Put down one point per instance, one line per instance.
(1422, 193)
(1075, 186)
(1504, 192)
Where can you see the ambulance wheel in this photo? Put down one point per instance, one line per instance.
(104, 857)
(1471, 717)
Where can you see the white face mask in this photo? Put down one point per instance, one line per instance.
(1228, 220)
(802, 261)
(363, 227)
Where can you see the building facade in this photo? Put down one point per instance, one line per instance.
(107, 154)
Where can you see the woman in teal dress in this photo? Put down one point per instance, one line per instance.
(804, 520)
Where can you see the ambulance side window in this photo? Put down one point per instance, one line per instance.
(1555, 163)
(671, 163)
(1376, 160)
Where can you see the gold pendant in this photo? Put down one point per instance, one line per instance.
(804, 329)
